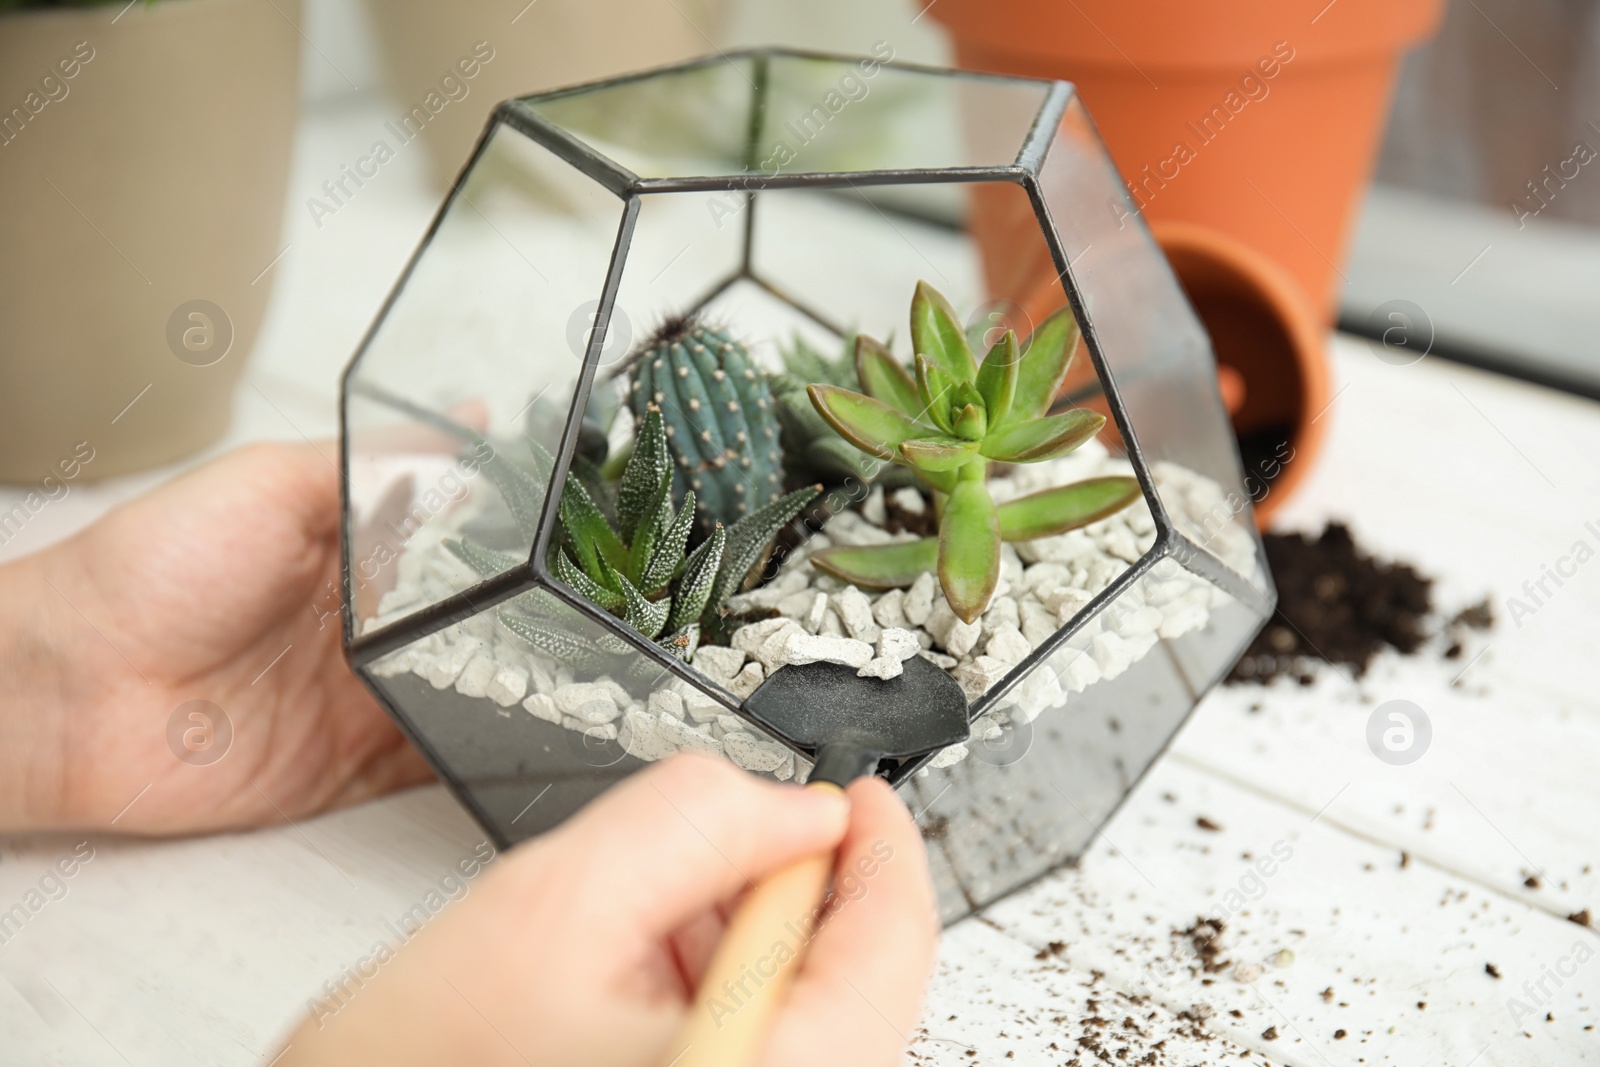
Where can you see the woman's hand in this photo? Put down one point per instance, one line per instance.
(585, 946)
(220, 586)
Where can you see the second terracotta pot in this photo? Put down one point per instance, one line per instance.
(1258, 118)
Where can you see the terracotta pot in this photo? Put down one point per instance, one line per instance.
(520, 49)
(1258, 118)
(1271, 366)
(151, 177)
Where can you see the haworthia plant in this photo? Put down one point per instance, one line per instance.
(948, 422)
(640, 568)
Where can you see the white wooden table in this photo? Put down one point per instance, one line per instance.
(1400, 887)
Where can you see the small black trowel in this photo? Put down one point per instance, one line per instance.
(850, 725)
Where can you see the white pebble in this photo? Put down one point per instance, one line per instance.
(888, 610)
(1112, 654)
(1079, 672)
(1038, 625)
(978, 676)
(599, 731)
(908, 498)
(640, 736)
(946, 757)
(949, 632)
(805, 648)
(1178, 622)
(665, 702)
(831, 626)
(748, 638)
(754, 754)
(701, 708)
(747, 681)
(474, 679)
(1138, 622)
(795, 605)
(884, 667)
(1002, 611)
(855, 611)
(589, 702)
(872, 508)
(681, 735)
(447, 666)
(812, 620)
(898, 644)
(543, 707)
(771, 651)
(939, 659)
(1008, 645)
(719, 662)
(508, 686)
(919, 599)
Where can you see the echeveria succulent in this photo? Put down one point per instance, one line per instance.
(948, 422)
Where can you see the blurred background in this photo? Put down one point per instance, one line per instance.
(206, 175)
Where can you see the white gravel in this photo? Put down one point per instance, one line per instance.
(1044, 584)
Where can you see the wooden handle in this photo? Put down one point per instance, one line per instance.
(749, 975)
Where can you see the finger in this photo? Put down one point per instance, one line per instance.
(867, 967)
(693, 944)
(687, 834)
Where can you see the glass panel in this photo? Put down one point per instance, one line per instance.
(534, 708)
(1048, 766)
(484, 336)
(818, 115)
(1154, 347)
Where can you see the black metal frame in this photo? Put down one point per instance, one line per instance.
(518, 115)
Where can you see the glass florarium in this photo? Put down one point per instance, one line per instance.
(774, 359)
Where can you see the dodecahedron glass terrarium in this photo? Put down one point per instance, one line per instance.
(641, 277)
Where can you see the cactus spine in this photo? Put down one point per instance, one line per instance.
(721, 423)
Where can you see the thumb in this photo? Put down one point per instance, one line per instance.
(685, 835)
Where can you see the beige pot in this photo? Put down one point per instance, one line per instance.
(149, 179)
(530, 47)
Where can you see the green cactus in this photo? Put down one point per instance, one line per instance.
(721, 428)
(948, 424)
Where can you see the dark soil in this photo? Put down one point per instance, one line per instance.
(1339, 604)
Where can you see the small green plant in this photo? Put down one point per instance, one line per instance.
(812, 451)
(948, 423)
(722, 431)
(639, 568)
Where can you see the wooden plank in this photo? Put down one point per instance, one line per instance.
(994, 1000)
(1384, 938)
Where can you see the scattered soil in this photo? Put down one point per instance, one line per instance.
(1339, 604)
(1205, 937)
(1579, 917)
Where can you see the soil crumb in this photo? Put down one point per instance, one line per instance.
(1339, 604)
